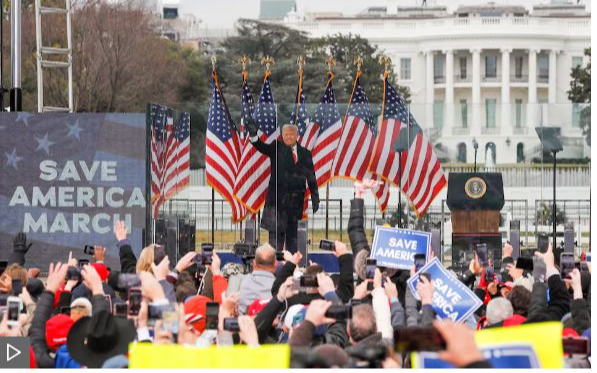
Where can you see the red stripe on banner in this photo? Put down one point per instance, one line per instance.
(428, 189)
(223, 154)
(416, 148)
(360, 168)
(392, 157)
(340, 156)
(422, 175)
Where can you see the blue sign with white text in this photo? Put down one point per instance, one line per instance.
(499, 356)
(451, 298)
(396, 248)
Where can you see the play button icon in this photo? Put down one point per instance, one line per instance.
(11, 352)
(14, 352)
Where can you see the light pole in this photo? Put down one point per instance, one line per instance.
(550, 139)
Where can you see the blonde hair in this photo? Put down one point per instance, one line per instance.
(145, 259)
(16, 272)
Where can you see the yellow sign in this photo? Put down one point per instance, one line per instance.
(145, 355)
(542, 340)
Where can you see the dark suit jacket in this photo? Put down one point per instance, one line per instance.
(287, 184)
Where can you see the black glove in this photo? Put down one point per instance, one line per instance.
(251, 127)
(20, 243)
(315, 203)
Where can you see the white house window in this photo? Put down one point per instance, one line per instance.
(490, 113)
(576, 62)
(405, 72)
(438, 114)
(463, 68)
(518, 112)
(438, 69)
(464, 113)
(543, 66)
(490, 66)
(518, 67)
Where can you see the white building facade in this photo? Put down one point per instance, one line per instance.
(490, 73)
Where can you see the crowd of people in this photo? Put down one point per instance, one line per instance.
(87, 315)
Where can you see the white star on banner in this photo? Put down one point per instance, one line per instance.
(12, 159)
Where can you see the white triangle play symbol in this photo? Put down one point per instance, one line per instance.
(8, 356)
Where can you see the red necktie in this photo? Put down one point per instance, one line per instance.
(294, 155)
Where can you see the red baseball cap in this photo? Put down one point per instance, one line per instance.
(101, 270)
(257, 306)
(57, 329)
(194, 310)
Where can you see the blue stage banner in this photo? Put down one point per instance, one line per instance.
(451, 299)
(500, 356)
(396, 248)
(65, 179)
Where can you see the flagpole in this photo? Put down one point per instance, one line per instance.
(213, 192)
(148, 204)
(330, 61)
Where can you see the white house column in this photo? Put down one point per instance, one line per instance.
(532, 101)
(552, 76)
(507, 124)
(476, 122)
(429, 90)
(449, 91)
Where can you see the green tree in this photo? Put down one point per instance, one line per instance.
(544, 215)
(580, 93)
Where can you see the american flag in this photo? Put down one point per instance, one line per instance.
(356, 144)
(246, 110)
(328, 118)
(254, 170)
(421, 175)
(308, 131)
(222, 151)
(170, 155)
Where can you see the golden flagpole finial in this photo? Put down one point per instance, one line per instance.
(213, 62)
(358, 61)
(300, 60)
(268, 61)
(330, 61)
(386, 61)
(244, 61)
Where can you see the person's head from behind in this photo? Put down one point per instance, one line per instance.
(498, 310)
(289, 134)
(145, 259)
(362, 324)
(80, 308)
(520, 298)
(331, 355)
(185, 289)
(265, 259)
(13, 272)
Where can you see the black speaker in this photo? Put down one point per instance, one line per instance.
(183, 237)
(301, 242)
(171, 245)
(160, 232)
(250, 231)
(436, 243)
(515, 238)
(192, 232)
(569, 237)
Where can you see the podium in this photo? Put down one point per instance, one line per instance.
(475, 201)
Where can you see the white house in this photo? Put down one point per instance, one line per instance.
(488, 72)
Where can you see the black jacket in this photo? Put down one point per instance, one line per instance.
(558, 305)
(581, 315)
(128, 260)
(356, 226)
(287, 184)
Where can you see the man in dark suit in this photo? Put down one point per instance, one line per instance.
(291, 169)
